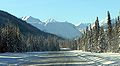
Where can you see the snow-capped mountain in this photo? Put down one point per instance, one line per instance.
(50, 20)
(82, 26)
(35, 22)
(63, 29)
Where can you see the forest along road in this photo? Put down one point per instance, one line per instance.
(60, 58)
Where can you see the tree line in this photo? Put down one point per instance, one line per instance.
(12, 40)
(95, 39)
(101, 39)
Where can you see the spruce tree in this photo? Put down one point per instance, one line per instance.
(96, 35)
(86, 39)
(109, 25)
(109, 33)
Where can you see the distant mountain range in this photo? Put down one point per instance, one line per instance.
(62, 29)
(17, 35)
(24, 27)
(31, 34)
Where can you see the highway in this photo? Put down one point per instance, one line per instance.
(60, 58)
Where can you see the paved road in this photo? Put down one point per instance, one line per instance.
(61, 58)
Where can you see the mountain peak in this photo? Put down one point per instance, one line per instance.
(51, 20)
(31, 19)
(25, 17)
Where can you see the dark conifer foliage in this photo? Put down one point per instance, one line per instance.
(19, 36)
(98, 39)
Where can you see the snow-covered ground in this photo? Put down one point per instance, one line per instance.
(60, 58)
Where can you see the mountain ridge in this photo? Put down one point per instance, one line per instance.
(13, 19)
(63, 29)
(17, 35)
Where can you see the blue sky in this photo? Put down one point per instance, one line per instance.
(73, 11)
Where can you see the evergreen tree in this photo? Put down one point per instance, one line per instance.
(109, 33)
(96, 35)
(102, 41)
(109, 25)
(86, 39)
(91, 39)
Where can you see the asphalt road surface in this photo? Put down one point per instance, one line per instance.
(60, 58)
